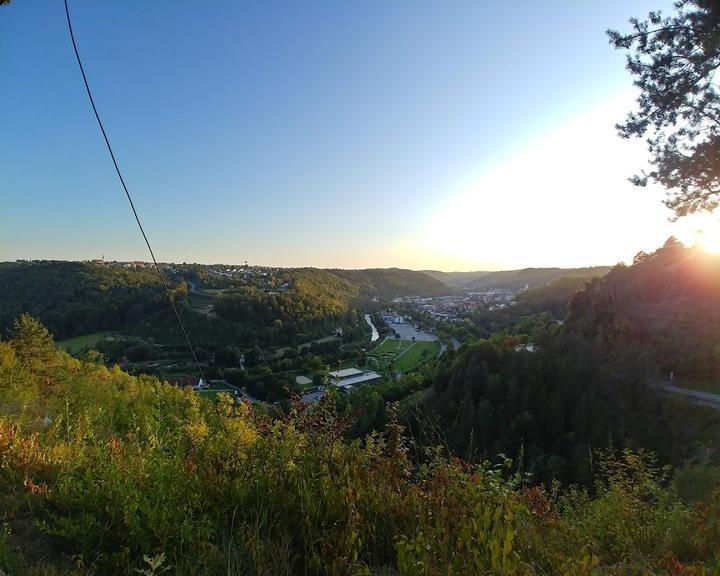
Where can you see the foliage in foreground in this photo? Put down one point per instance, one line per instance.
(105, 473)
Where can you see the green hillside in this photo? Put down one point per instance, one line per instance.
(668, 300)
(456, 279)
(79, 298)
(514, 279)
(394, 282)
(76, 298)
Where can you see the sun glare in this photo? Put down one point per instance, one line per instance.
(703, 231)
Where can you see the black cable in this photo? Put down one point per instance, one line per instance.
(127, 193)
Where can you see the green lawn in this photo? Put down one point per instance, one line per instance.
(417, 354)
(391, 346)
(406, 354)
(81, 342)
(396, 345)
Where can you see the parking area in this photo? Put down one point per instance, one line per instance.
(408, 331)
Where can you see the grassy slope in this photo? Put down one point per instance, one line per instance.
(78, 343)
(419, 353)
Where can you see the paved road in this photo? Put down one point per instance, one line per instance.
(705, 398)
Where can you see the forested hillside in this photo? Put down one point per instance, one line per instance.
(514, 279)
(668, 300)
(105, 473)
(315, 294)
(75, 298)
(585, 384)
(311, 295)
(393, 282)
(553, 406)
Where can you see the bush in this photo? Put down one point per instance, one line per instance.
(124, 474)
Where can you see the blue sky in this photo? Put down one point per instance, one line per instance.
(350, 134)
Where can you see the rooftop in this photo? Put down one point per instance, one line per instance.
(348, 383)
(345, 373)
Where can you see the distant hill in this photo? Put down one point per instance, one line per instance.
(75, 298)
(78, 297)
(457, 279)
(514, 279)
(394, 282)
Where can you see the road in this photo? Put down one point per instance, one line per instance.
(695, 396)
(206, 309)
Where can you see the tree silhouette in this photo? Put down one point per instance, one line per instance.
(674, 60)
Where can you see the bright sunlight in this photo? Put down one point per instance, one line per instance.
(701, 230)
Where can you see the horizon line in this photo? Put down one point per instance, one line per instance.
(166, 263)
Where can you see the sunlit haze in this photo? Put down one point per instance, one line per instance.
(408, 134)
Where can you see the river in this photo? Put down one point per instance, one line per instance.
(375, 334)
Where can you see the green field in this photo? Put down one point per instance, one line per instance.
(392, 347)
(216, 291)
(79, 343)
(418, 353)
(405, 354)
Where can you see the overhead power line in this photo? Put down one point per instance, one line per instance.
(127, 193)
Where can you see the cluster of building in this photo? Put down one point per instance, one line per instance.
(217, 270)
(115, 263)
(390, 317)
(456, 307)
(348, 378)
(233, 271)
(345, 380)
(262, 277)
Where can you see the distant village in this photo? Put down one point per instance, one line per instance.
(454, 308)
(218, 270)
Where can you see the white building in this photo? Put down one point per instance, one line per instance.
(392, 318)
(350, 377)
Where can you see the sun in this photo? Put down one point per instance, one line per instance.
(703, 231)
(709, 240)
